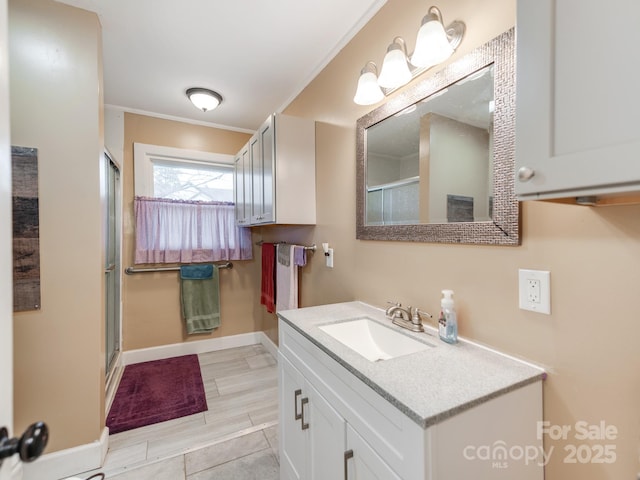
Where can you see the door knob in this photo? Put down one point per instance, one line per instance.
(30, 446)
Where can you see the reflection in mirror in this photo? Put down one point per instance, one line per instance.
(410, 177)
(435, 163)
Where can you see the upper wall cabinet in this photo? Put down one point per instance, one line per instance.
(577, 107)
(275, 174)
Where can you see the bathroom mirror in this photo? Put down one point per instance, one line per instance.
(435, 163)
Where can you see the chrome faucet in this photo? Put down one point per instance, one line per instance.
(396, 310)
(406, 317)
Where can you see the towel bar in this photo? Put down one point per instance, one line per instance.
(311, 248)
(132, 270)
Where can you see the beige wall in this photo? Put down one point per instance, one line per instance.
(151, 301)
(56, 99)
(590, 342)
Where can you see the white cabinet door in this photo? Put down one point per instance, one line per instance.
(577, 98)
(263, 171)
(326, 439)
(242, 175)
(238, 187)
(292, 438)
(363, 463)
(312, 433)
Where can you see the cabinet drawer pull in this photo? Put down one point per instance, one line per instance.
(296, 394)
(525, 174)
(347, 455)
(303, 402)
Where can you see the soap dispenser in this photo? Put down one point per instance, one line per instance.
(448, 322)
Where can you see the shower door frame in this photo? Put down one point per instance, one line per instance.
(113, 267)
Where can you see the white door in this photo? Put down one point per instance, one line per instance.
(6, 294)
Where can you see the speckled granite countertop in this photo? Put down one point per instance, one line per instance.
(428, 386)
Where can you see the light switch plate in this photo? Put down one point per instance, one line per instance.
(330, 258)
(535, 290)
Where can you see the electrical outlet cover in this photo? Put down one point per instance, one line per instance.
(535, 290)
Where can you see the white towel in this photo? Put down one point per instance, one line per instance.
(286, 283)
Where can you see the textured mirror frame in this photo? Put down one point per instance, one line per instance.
(504, 228)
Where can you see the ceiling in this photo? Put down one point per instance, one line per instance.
(257, 54)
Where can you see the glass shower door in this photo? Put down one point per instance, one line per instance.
(112, 262)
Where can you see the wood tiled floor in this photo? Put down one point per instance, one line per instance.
(235, 438)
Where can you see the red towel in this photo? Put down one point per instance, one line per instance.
(268, 284)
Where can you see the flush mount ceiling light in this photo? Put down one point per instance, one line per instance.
(203, 98)
(435, 43)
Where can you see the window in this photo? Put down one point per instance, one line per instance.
(192, 181)
(184, 207)
(164, 172)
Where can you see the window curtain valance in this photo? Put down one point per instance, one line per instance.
(181, 231)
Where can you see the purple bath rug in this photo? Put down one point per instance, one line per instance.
(157, 391)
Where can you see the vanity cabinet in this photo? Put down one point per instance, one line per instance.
(317, 443)
(577, 101)
(279, 183)
(335, 426)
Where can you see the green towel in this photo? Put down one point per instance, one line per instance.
(200, 297)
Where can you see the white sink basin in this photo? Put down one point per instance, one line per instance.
(372, 340)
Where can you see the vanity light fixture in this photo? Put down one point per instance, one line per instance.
(203, 98)
(435, 44)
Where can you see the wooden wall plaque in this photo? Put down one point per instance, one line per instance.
(26, 229)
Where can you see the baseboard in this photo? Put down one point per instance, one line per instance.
(268, 344)
(188, 348)
(68, 462)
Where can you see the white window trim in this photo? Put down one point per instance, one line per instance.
(145, 154)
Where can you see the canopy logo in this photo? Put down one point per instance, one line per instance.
(500, 454)
(588, 444)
